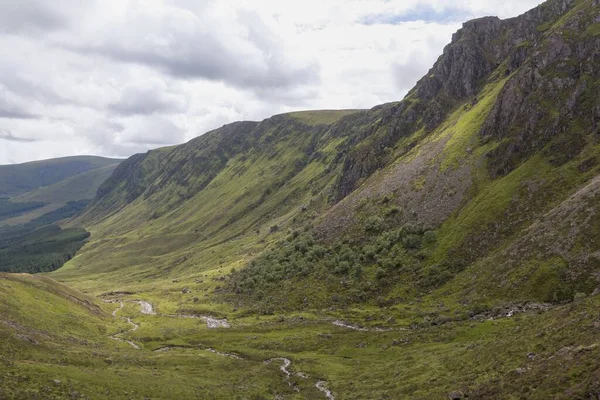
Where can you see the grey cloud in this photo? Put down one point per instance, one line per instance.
(198, 50)
(15, 114)
(11, 107)
(418, 63)
(151, 130)
(28, 16)
(7, 135)
(209, 60)
(147, 101)
(407, 75)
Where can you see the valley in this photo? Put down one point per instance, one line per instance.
(446, 246)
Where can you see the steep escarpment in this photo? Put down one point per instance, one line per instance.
(173, 208)
(482, 48)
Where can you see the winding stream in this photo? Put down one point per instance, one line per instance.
(321, 386)
(346, 325)
(285, 364)
(213, 323)
(135, 327)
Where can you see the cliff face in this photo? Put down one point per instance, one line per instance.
(482, 48)
(551, 102)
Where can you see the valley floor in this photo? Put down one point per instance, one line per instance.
(59, 343)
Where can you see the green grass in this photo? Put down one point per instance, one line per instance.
(593, 29)
(321, 117)
(10, 209)
(429, 360)
(79, 187)
(465, 124)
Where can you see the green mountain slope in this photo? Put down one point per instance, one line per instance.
(30, 239)
(435, 164)
(40, 187)
(53, 197)
(21, 178)
(381, 251)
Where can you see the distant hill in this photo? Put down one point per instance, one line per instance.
(19, 179)
(43, 195)
(36, 188)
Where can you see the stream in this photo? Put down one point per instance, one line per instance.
(286, 363)
(213, 323)
(135, 327)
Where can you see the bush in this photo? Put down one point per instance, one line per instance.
(579, 297)
(412, 242)
(429, 237)
(373, 224)
(342, 268)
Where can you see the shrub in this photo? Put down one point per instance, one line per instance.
(373, 224)
(412, 242)
(429, 237)
(342, 268)
(579, 297)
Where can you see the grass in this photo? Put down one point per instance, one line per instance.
(322, 117)
(465, 124)
(422, 363)
(593, 29)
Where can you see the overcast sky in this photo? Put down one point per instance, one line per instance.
(118, 77)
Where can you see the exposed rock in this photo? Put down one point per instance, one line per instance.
(456, 396)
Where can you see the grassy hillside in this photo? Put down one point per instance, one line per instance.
(58, 182)
(79, 187)
(30, 238)
(21, 178)
(379, 251)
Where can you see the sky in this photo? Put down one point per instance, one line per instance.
(119, 77)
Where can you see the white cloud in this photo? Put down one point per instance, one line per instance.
(114, 77)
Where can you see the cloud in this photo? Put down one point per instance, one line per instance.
(238, 49)
(34, 16)
(12, 113)
(11, 106)
(7, 135)
(153, 130)
(148, 97)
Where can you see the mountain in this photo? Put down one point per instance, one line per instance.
(33, 189)
(17, 179)
(30, 238)
(443, 246)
